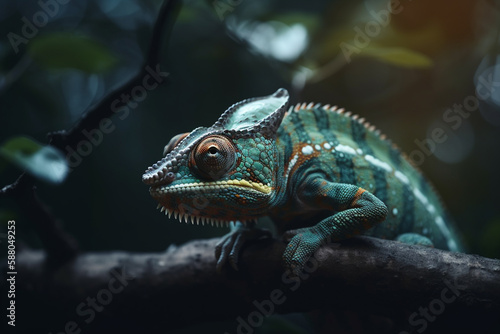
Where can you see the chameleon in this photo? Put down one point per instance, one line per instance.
(321, 174)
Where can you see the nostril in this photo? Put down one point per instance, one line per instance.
(158, 178)
(170, 177)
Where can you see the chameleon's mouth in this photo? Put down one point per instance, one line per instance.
(166, 195)
(194, 219)
(211, 186)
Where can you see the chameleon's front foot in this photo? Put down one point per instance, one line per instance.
(302, 244)
(229, 247)
(354, 210)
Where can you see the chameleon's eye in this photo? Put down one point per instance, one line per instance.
(173, 142)
(213, 157)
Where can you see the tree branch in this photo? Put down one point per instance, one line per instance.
(181, 287)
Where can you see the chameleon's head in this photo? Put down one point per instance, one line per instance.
(226, 172)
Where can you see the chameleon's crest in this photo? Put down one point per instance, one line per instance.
(257, 115)
(260, 115)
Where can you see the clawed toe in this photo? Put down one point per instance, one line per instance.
(229, 247)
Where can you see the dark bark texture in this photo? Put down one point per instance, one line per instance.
(97, 292)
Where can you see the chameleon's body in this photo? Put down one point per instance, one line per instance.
(320, 173)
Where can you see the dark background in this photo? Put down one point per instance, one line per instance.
(429, 58)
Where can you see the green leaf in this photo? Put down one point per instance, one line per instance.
(398, 56)
(43, 162)
(64, 50)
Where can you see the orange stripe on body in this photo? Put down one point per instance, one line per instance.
(357, 196)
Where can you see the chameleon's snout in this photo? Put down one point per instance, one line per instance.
(153, 176)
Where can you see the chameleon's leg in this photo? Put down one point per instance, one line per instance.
(228, 248)
(414, 239)
(355, 210)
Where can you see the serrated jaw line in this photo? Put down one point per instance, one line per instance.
(198, 220)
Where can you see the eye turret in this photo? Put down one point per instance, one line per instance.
(173, 143)
(213, 157)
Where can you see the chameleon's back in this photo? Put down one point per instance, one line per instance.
(351, 151)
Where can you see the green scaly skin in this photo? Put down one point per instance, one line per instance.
(320, 173)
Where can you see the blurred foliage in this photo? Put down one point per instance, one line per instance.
(403, 77)
(67, 50)
(43, 162)
(398, 56)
